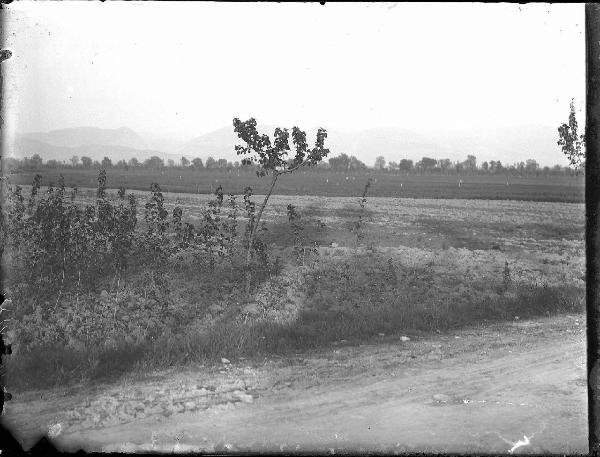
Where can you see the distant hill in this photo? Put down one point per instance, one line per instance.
(83, 136)
(116, 144)
(365, 144)
(392, 143)
(217, 144)
(508, 144)
(27, 147)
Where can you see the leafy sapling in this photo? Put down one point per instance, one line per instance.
(272, 159)
(156, 218)
(358, 228)
(571, 142)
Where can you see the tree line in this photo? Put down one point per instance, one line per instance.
(428, 165)
(155, 162)
(340, 163)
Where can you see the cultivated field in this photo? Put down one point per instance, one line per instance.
(340, 275)
(331, 184)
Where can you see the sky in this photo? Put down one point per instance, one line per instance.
(183, 69)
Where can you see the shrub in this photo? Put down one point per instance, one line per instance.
(272, 159)
(57, 241)
(358, 227)
(155, 241)
(297, 228)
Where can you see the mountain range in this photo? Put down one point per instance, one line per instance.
(508, 144)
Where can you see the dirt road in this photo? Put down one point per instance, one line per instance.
(513, 387)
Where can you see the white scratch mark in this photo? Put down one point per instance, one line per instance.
(524, 442)
(55, 430)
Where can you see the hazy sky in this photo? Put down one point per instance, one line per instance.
(188, 68)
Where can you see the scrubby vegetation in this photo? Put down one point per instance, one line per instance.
(100, 287)
(90, 278)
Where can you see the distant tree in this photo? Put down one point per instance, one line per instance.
(134, 163)
(427, 164)
(485, 166)
(470, 164)
(340, 163)
(571, 142)
(356, 165)
(531, 166)
(86, 162)
(210, 163)
(445, 165)
(170, 163)
(380, 163)
(496, 166)
(12, 163)
(406, 165)
(222, 163)
(184, 162)
(74, 161)
(154, 163)
(393, 165)
(52, 163)
(106, 163)
(96, 164)
(197, 163)
(36, 161)
(272, 159)
(122, 164)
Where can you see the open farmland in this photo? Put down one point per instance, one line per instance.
(424, 267)
(325, 228)
(330, 184)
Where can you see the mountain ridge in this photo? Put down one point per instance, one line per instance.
(507, 144)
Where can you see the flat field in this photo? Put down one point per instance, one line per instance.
(330, 184)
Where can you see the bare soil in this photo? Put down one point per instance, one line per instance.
(517, 387)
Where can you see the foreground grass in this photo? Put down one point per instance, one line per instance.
(353, 299)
